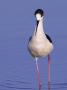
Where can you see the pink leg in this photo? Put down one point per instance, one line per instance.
(39, 81)
(49, 64)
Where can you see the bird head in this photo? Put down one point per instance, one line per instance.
(39, 14)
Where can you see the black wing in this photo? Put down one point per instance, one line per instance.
(30, 38)
(48, 37)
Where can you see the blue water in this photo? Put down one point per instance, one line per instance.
(17, 23)
(23, 85)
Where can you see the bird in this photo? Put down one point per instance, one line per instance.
(40, 43)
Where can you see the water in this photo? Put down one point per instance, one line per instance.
(17, 23)
(23, 85)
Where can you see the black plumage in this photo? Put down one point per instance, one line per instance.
(40, 11)
(48, 37)
(30, 38)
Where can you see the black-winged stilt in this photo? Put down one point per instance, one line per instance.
(40, 44)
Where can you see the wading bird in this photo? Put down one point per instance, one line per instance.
(40, 43)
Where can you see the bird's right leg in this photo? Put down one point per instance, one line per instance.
(38, 74)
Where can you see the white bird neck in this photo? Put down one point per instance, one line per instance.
(40, 25)
(40, 29)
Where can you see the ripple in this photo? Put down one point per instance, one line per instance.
(25, 85)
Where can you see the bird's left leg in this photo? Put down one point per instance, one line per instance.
(49, 69)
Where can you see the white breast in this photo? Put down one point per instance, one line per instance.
(40, 48)
(39, 44)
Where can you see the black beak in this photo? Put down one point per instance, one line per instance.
(37, 25)
(37, 22)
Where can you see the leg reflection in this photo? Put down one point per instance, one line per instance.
(40, 87)
(49, 86)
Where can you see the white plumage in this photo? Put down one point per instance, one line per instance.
(39, 45)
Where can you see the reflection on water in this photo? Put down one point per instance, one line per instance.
(49, 85)
(23, 85)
